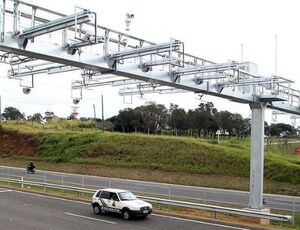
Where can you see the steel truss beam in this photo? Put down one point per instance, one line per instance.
(49, 70)
(190, 59)
(144, 88)
(206, 69)
(143, 51)
(256, 81)
(54, 53)
(112, 82)
(58, 24)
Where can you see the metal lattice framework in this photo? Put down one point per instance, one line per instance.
(36, 40)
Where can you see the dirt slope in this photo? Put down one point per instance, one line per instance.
(17, 144)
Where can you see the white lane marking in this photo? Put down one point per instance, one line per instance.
(52, 197)
(90, 218)
(153, 214)
(200, 222)
(5, 190)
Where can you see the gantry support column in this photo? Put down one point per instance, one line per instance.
(257, 156)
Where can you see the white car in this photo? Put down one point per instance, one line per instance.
(120, 201)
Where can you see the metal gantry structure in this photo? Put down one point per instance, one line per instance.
(36, 40)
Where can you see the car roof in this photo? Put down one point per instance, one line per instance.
(113, 190)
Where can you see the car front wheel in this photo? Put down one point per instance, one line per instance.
(126, 214)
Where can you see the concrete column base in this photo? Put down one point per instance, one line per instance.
(261, 221)
(264, 221)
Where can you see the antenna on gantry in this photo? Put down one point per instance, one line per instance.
(242, 52)
(276, 37)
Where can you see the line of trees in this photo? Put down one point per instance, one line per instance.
(14, 114)
(204, 121)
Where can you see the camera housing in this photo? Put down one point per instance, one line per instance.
(26, 90)
(76, 101)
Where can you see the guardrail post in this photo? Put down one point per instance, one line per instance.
(8, 176)
(169, 196)
(62, 182)
(82, 185)
(45, 180)
(294, 212)
(22, 185)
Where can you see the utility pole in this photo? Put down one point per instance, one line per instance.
(95, 116)
(102, 112)
(0, 111)
(275, 54)
(242, 52)
(94, 111)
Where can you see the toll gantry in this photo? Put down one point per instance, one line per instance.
(35, 40)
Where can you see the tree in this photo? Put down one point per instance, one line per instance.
(282, 129)
(49, 116)
(246, 128)
(177, 118)
(225, 122)
(267, 129)
(154, 117)
(37, 117)
(125, 118)
(202, 118)
(11, 113)
(237, 122)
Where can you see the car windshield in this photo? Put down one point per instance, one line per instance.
(127, 196)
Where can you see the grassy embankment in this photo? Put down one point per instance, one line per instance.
(70, 146)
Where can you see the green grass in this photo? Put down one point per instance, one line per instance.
(67, 141)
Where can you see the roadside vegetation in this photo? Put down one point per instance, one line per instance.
(75, 143)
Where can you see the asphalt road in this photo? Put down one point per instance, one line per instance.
(171, 191)
(22, 210)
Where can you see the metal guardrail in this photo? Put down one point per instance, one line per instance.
(212, 208)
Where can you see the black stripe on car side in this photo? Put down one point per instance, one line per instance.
(103, 203)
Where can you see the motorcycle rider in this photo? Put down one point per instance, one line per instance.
(31, 166)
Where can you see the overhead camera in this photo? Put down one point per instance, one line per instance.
(87, 36)
(71, 51)
(76, 101)
(128, 20)
(26, 90)
(198, 81)
(129, 15)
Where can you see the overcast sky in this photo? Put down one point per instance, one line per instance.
(211, 29)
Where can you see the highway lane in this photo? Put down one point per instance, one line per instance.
(22, 210)
(168, 190)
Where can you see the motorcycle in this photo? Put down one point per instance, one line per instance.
(30, 170)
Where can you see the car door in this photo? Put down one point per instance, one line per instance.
(105, 200)
(115, 202)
